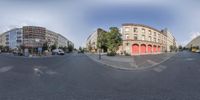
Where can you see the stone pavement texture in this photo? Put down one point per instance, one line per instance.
(141, 62)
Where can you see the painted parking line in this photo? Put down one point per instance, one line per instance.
(5, 69)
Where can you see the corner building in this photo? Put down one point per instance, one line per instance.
(140, 39)
(33, 36)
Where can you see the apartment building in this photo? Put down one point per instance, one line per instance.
(51, 37)
(141, 39)
(32, 37)
(91, 42)
(3, 39)
(14, 38)
(171, 41)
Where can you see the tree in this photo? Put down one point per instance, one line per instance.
(80, 48)
(180, 48)
(114, 40)
(102, 40)
(54, 46)
(70, 48)
(45, 46)
(1, 47)
(65, 49)
(21, 48)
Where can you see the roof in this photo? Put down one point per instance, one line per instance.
(142, 25)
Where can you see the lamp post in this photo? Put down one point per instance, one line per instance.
(99, 51)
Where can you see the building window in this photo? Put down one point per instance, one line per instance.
(154, 39)
(149, 38)
(127, 29)
(143, 37)
(149, 32)
(135, 30)
(127, 36)
(135, 37)
(154, 33)
(143, 30)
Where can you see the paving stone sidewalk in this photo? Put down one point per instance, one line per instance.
(132, 62)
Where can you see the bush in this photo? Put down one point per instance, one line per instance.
(126, 54)
(111, 54)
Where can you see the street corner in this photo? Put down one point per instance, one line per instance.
(143, 62)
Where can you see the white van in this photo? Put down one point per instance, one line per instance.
(58, 52)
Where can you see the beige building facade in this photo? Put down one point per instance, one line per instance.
(171, 41)
(3, 39)
(91, 42)
(140, 39)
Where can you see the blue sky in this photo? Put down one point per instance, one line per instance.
(77, 19)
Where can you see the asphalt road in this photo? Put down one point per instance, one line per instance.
(77, 77)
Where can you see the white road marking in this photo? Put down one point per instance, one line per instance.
(38, 72)
(5, 69)
(189, 59)
(160, 68)
(152, 62)
(50, 72)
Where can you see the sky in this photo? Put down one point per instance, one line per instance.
(77, 19)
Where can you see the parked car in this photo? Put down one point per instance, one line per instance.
(58, 52)
(197, 51)
(80, 51)
(16, 52)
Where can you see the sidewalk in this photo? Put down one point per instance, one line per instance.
(131, 62)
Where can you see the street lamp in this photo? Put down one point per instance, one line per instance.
(99, 51)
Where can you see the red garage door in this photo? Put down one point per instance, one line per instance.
(149, 48)
(158, 48)
(154, 48)
(143, 48)
(135, 49)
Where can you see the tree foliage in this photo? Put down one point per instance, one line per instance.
(102, 40)
(70, 48)
(114, 39)
(109, 40)
(45, 46)
(53, 47)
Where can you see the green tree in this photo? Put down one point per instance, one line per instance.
(180, 48)
(70, 48)
(114, 40)
(45, 46)
(54, 46)
(102, 40)
(1, 47)
(80, 48)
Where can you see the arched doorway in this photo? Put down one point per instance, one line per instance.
(143, 48)
(135, 49)
(149, 48)
(158, 48)
(154, 48)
